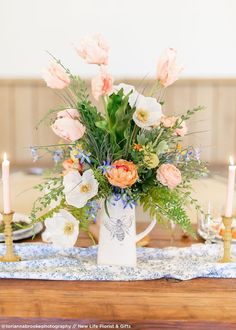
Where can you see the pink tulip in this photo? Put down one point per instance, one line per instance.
(56, 77)
(94, 50)
(67, 125)
(101, 85)
(167, 69)
(68, 113)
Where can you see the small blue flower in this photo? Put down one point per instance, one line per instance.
(105, 167)
(34, 154)
(83, 156)
(197, 153)
(188, 156)
(192, 154)
(128, 201)
(122, 196)
(93, 209)
(57, 155)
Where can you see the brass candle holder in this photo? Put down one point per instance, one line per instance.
(9, 256)
(227, 221)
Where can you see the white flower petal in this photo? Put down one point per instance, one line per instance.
(46, 236)
(64, 242)
(88, 178)
(86, 187)
(68, 216)
(76, 199)
(71, 181)
(54, 223)
(87, 175)
(62, 230)
(148, 112)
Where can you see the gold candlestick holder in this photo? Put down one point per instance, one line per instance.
(227, 221)
(9, 256)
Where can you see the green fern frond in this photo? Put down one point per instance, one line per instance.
(162, 202)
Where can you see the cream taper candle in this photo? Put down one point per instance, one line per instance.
(230, 189)
(6, 184)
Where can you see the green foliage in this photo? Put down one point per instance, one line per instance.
(81, 215)
(114, 135)
(49, 213)
(162, 147)
(164, 204)
(105, 189)
(192, 169)
(153, 141)
(55, 194)
(52, 191)
(16, 226)
(189, 114)
(94, 136)
(117, 123)
(78, 88)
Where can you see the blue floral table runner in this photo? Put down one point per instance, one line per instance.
(45, 262)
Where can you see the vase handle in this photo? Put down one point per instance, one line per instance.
(146, 231)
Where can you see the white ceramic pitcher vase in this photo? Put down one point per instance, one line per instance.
(117, 237)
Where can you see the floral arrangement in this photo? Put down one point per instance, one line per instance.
(128, 151)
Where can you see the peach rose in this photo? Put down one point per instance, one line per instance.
(101, 85)
(69, 165)
(183, 130)
(167, 69)
(168, 122)
(123, 174)
(56, 77)
(67, 125)
(169, 175)
(94, 50)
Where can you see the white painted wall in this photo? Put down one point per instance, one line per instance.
(203, 31)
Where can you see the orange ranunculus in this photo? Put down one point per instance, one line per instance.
(69, 165)
(123, 174)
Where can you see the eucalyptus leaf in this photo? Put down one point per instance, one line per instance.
(162, 147)
(141, 138)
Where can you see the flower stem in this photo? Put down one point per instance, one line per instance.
(91, 237)
(130, 140)
(154, 88)
(54, 145)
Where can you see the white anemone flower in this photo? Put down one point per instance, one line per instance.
(133, 97)
(78, 189)
(62, 230)
(148, 112)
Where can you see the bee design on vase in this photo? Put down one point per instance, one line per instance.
(118, 227)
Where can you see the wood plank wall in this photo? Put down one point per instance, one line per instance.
(23, 102)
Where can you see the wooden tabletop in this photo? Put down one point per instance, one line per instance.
(159, 304)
